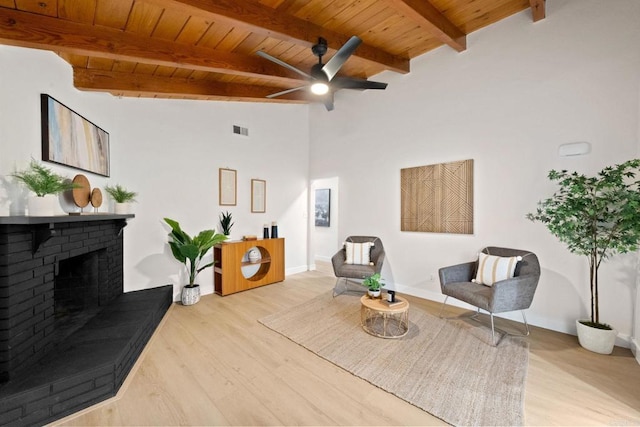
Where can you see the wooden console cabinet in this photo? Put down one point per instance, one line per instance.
(231, 258)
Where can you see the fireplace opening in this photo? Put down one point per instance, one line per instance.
(77, 285)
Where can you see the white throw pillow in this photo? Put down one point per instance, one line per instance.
(358, 253)
(492, 269)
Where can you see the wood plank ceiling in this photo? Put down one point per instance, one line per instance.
(205, 49)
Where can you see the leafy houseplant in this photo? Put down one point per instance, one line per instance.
(225, 223)
(373, 284)
(596, 216)
(44, 183)
(120, 194)
(122, 198)
(42, 180)
(190, 251)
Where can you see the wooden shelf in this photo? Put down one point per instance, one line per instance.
(228, 271)
(260, 261)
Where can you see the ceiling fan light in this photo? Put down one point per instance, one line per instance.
(319, 88)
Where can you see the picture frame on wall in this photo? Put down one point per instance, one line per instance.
(323, 207)
(71, 140)
(258, 196)
(227, 182)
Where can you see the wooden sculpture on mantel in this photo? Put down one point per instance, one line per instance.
(83, 195)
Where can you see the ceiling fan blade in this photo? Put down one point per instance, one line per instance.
(282, 63)
(353, 83)
(284, 92)
(332, 67)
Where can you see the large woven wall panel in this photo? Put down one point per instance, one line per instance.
(438, 198)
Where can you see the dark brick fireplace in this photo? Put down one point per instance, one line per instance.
(68, 333)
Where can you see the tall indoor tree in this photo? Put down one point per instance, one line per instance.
(596, 216)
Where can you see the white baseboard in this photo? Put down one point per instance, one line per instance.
(296, 270)
(323, 258)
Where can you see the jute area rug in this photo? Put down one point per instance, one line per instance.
(445, 367)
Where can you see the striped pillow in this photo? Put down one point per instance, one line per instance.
(492, 269)
(358, 253)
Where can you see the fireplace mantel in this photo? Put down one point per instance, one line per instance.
(31, 220)
(44, 228)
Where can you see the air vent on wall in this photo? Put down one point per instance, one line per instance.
(239, 130)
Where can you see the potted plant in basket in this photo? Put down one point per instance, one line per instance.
(122, 198)
(190, 251)
(225, 223)
(45, 184)
(373, 284)
(595, 216)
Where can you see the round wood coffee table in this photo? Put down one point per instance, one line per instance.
(383, 320)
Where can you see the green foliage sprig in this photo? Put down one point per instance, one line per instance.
(225, 222)
(373, 282)
(596, 216)
(42, 180)
(190, 250)
(120, 194)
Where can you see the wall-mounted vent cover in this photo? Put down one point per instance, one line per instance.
(240, 130)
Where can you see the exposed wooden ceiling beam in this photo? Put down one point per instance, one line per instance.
(42, 32)
(136, 84)
(269, 22)
(537, 9)
(428, 17)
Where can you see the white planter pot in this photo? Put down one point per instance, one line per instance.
(122, 208)
(596, 340)
(374, 294)
(42, 206)
(190, 295)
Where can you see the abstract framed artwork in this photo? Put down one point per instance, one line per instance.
(323, 207)
(258, 196)
(437, 198)
(71, 140)
(227, 181)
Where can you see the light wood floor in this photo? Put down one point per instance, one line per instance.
(214, 364)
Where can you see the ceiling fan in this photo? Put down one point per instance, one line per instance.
(322, 77)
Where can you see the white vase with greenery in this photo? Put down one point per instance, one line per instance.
(122, 199)
(596, 216)
(373, 284)
(46, 185)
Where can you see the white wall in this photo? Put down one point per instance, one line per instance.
(169, 151)
(518, 92)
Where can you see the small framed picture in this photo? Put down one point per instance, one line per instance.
(227, 179)
(258, 196)
(323, 207)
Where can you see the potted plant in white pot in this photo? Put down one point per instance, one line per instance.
(373, 284)
(596, 216)
(45, 184)
(190, 251)
(122, 198)
(225, 223)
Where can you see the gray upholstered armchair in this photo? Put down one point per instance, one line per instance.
(511, 294)
(345, 271)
